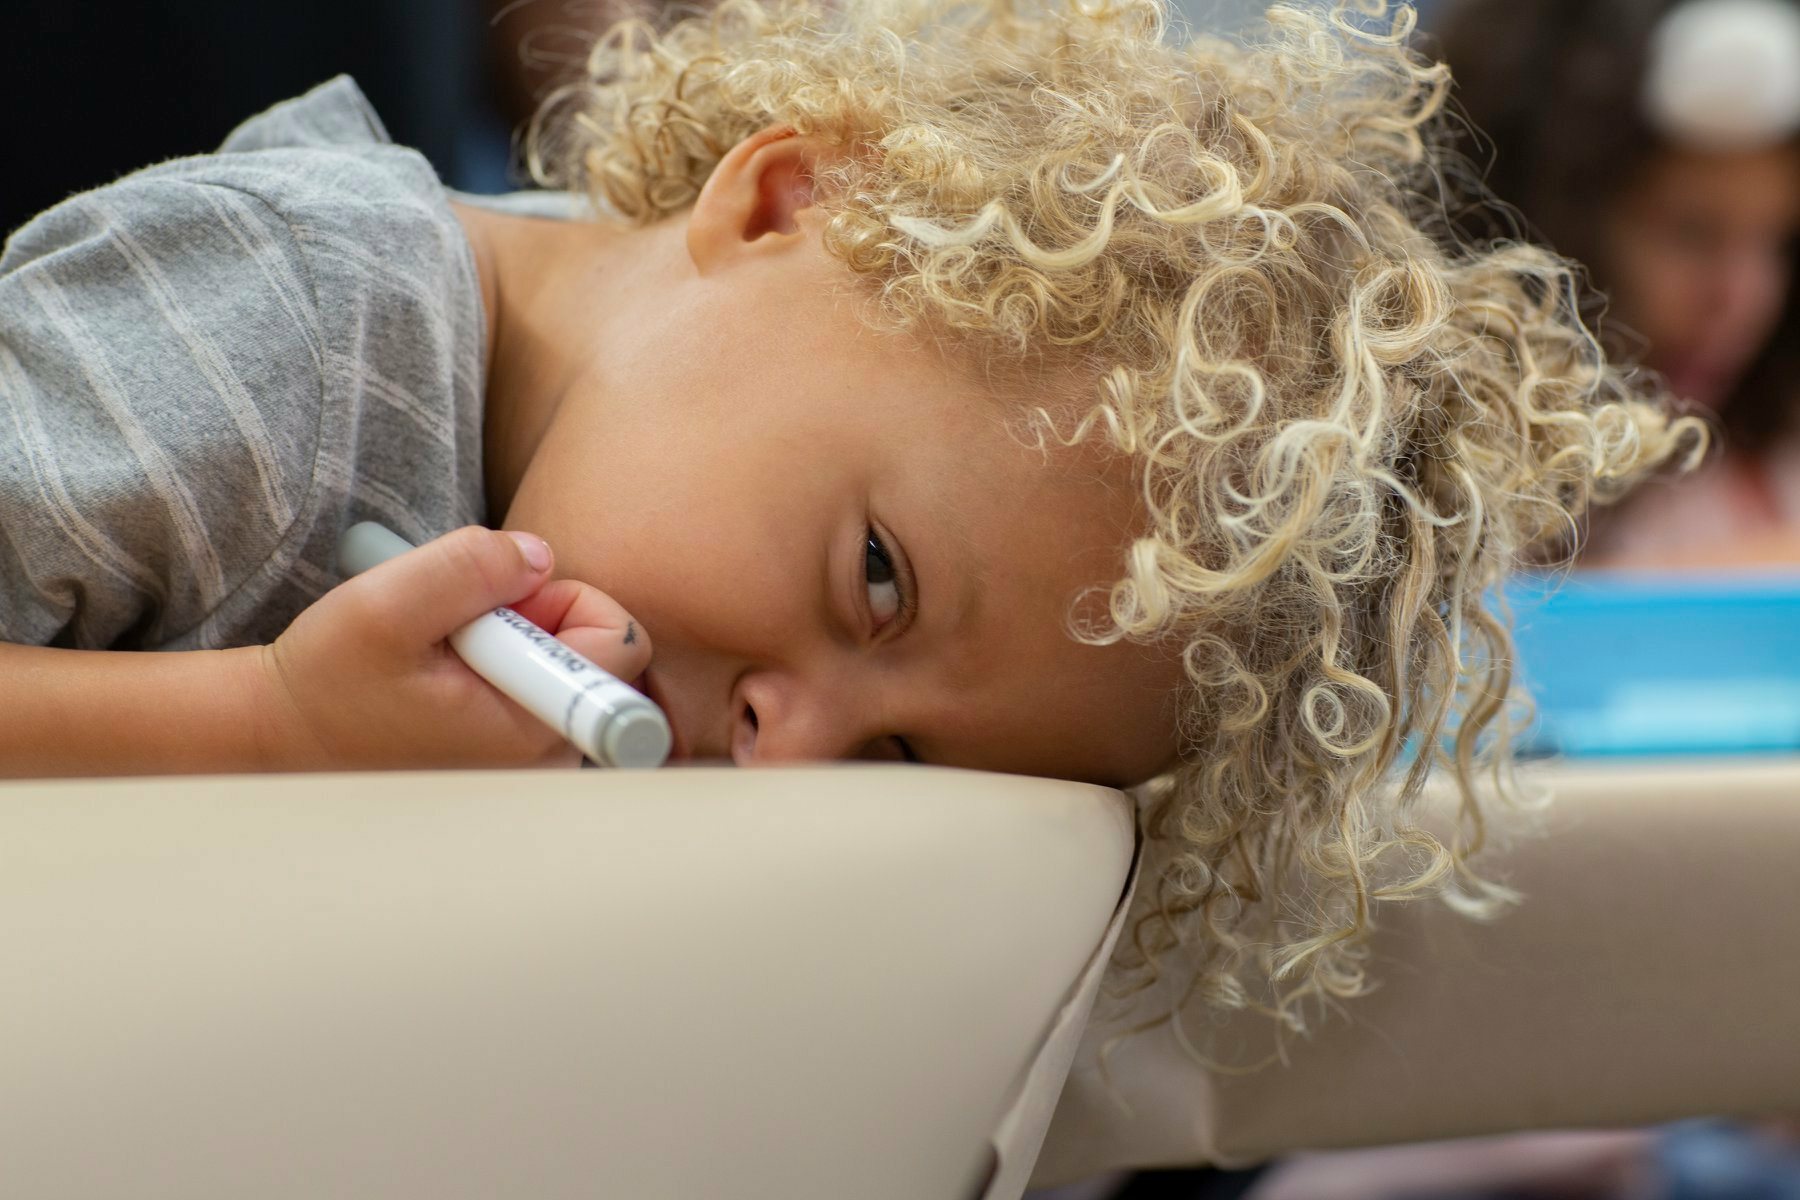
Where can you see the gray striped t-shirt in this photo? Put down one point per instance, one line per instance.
(210, 368)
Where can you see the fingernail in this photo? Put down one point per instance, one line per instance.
(535, 549)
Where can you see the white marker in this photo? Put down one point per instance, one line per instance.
(607, 719)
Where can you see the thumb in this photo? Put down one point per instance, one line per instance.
(437, 588)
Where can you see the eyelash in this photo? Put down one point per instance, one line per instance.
(874, 547)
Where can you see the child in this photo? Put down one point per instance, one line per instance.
(1000, 385)
(1659, 142)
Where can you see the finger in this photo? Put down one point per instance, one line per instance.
(439, 587)
(560, 603)
(608, 651)
(592, 623)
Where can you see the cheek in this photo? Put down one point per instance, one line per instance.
(604, 515)
(1661, 289)
(710, 602)
(706, 562)
(1770, 276)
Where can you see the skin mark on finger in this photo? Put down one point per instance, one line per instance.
(631, 633)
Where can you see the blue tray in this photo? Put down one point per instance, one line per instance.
(1635, 664)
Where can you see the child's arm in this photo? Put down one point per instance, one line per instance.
(121, 712)
(363, 678)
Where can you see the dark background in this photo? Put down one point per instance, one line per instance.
(92, 89)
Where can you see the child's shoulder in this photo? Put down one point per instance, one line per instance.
(316, 174)
(192, 348)
(324, 164)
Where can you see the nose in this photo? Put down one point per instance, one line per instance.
(1748, 285)
(789, 718)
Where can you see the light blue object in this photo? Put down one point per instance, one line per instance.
(1633, 664)
(1713, 1160)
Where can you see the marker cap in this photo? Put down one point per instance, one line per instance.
(637, 738)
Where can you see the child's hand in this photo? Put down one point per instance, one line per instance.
(365, 678)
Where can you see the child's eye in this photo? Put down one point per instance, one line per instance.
(884, 583)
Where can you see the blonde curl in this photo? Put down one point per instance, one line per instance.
(1349, 426)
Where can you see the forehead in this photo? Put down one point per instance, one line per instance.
(1020, 538)
(1757, 185)
(1026, 698)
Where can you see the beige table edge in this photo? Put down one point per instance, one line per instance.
(1653, 972)
(786, 983)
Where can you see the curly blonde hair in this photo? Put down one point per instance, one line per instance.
(1349, 426)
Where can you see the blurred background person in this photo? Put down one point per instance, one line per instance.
(1655, 142)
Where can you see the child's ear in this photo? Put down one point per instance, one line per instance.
(753, 200)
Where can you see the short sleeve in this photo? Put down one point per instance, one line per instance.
(213, 366)
(334, 114)
(160, 397)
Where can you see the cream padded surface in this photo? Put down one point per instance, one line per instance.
(793, 983)
(1653, 972)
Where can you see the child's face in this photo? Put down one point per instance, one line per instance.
(1702, 250)
(754, 437)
